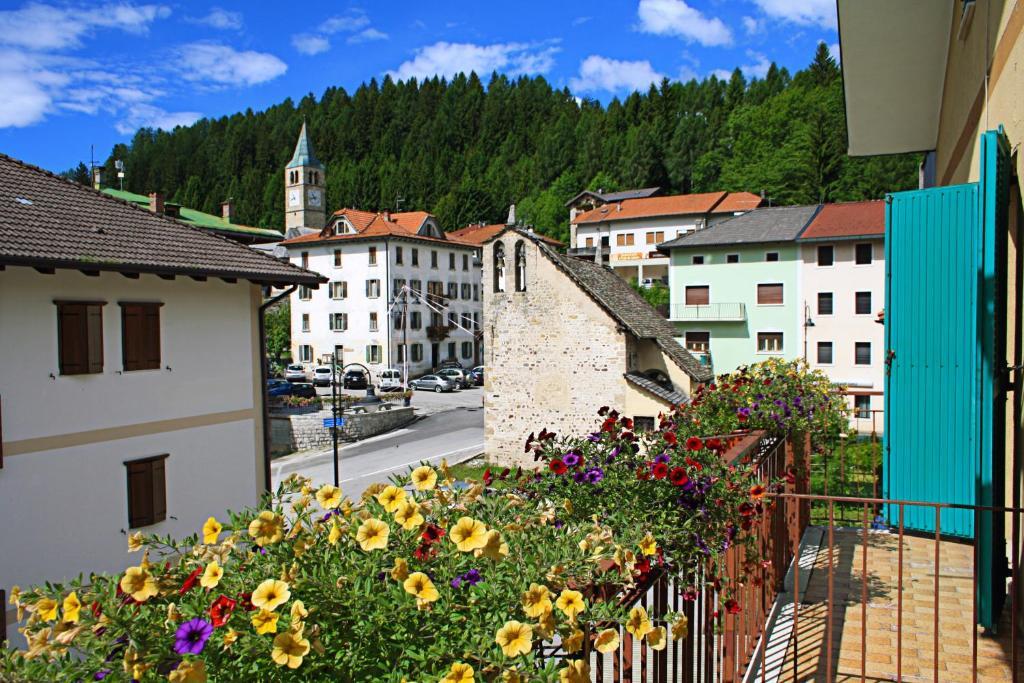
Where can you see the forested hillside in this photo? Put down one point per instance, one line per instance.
(465, 149)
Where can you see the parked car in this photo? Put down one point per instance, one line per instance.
(354, 379)
(303, 390)
(456, 376)
(295, 373)
(450, 363)
(477, 375)
(432, 382)
(389, 379)
(279, 387)
(322, 376)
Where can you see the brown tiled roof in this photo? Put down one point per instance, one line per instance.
(736, 202)
(49, 222)
(848, 219)
(478, 234)
(672, 205)
(376, 227)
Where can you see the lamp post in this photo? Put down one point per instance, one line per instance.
(336, 413)
(807, 324)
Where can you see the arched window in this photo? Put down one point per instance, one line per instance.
(520, 266)
(499, 267)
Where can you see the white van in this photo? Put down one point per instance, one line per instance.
(389, 379)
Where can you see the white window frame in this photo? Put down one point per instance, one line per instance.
(817, 354)
(338, 290)
(305, 353)
(374, 323)
(333, 320)
(305, 322)
(757, 343)
(375, 295)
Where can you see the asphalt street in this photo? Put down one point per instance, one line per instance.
(455, 434)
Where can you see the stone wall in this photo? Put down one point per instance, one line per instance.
(291, 432)
(553, 356)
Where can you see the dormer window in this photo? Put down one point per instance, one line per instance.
(499, 267)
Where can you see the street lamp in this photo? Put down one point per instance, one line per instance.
(807, 323)
(337, 413)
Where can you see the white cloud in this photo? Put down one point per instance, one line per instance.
(345, 23)
(613, 75)
(580, 20)
(752, 26)
(220, 18)
(676, 18)
(759, 67)
(366, 35)
(309, 44)
(447, 59)
(45, 27)
(804, 12)
(833, 49)
(149, 116)
(224, 65)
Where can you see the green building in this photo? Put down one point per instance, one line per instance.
(734, 287)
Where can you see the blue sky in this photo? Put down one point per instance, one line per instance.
(79, 74)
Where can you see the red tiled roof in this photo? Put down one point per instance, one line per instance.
(376, 225)
(737, 202)
(672, 205)
(478, 234)
(848, 219)
(410, 220)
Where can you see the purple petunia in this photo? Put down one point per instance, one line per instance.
(595, 437)
(191, 637)
(470, 578)
(745, 412)
(571, 459)
(662, 457)
(579, 477)
(457, 582)
(594, 475)
(101, 674)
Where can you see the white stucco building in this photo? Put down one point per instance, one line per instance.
(131, 391)
(842, 275)
(625, 234)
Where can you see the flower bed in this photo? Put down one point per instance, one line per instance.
(427, 578)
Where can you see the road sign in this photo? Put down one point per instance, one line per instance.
(334, 422)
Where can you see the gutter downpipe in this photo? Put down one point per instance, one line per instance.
(264, 377)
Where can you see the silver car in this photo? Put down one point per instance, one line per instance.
(295, 373)
(456, 376)
(434, 382)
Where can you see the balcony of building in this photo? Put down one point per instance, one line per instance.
(718, 312)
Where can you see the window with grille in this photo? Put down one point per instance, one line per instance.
(862, 353)
(824, 303)
(825, 353)
(80, 337)
(147, 491)
(698, 295)
(770, 294)
(769, 342)
(862, 302)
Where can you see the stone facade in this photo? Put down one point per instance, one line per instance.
(305, 431)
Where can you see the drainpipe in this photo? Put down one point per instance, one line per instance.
(264, 376)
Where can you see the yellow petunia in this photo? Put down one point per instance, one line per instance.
(191, 671)
(230, 636)
(212, 575)
(545, 627)
(420, 585)
(71, 607)
(135, 541)
(408, 515)
(681, 627)
(639, 624)
(657, 638)
(424, 478)
(211, 530)
(46, 609)
(571, 603)
(459, 673)
(537, 600)
(468, 534)
(573, 642)
(133, 664)
(264, 621)
(512, 676)
(271, 594)
(289, 649)
(391, 497)
(606, 641)
(299, 611)
(329, 497)
(139, 583)
(578, 671)
(515, 638)
(373, 535)
(335, 534)
(400, 572)
(267, 528)
(648, 546)
(494, 548)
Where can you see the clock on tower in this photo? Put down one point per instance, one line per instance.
(304, 188)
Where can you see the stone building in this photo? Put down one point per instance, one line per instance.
(565, 336)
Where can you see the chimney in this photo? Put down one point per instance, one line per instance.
(156, 202)
(97, 177)
(618, 207)
(386, 214)
(227, 210)
(511, 220)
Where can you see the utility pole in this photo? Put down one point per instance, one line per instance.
(334, 414)
(405, 337)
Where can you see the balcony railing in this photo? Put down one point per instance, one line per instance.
(735, 312)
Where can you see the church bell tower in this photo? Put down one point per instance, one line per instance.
(304, 183)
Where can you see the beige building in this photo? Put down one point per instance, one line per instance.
(564, 337)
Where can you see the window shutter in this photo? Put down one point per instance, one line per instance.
(1, 435)
(151, 338)
(140, 494)
(94, 335)
(769, 294)
(158, 479)
(131, 336)
(73, 339)
(698, 296)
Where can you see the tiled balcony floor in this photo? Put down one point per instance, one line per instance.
(888, 657)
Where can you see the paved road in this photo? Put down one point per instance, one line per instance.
(427, 402)
(454, 434)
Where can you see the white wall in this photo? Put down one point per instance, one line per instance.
(65, 508)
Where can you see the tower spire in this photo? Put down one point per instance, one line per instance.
(304, 155)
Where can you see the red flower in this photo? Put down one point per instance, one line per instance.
(694, 464)
(643, 473)
(746, 509)
(246, 599)
(432, 534)
(741, 418)
(694, 443)
(642, 567)
(529, 442)
(660, 470)
(670, 438)
(603, 410)
(608, 425)
(190, 581)
(221, 609)
(732, 607)
(557, 466)
(757, 492)
(768, 382)
(714, 444)
(678, 476)
(626, 423)
(97, 610)
(487, 477)
(424, 552)
(713, 386)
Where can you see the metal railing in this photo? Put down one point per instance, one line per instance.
(733, 311)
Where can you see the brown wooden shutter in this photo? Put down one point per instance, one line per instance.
(2, 457)
(769, 294)
(94, 334)
(151, 337)
(140, 336)
(72, 339)
(698, 296)
(147, 491)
